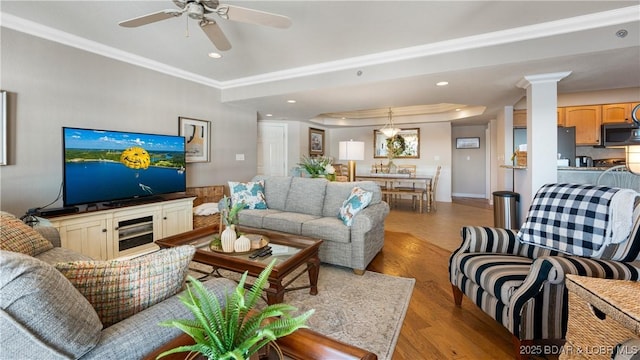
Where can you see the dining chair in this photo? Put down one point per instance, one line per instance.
(342, 172)
(382, 169)
(431, 194)
(408, 186)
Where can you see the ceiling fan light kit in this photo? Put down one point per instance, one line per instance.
(199, 9)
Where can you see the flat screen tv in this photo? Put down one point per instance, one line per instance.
(115, 166)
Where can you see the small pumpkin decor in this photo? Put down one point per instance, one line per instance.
(242, 244)
(236, 331)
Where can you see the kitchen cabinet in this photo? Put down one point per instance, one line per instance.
(616, 113)
(520, 118)
(561, 115)
(587, 120)
(122, 232)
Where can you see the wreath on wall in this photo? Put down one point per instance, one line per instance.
(395, 146)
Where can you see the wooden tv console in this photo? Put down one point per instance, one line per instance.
(126, 231)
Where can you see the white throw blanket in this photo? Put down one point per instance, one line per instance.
(621, 215)
(206, 209)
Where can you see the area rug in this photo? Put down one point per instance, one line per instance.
(362, 310)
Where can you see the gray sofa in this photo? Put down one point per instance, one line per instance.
(309, 207)
(43, 316)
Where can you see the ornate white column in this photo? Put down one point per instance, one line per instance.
(542, 136)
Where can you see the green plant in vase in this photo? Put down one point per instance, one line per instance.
(237, 330)
(229, 217)
(316, 166)
(228, 212)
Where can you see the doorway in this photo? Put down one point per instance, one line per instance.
(272, 149)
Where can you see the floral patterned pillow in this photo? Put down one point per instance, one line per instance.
(251, 193)
(358, 200)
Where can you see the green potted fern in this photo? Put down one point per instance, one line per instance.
(237, 330)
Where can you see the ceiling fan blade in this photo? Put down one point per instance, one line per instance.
(252, 16)
(215, 34)
(150, 18)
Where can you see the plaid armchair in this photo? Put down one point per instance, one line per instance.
(520, 283)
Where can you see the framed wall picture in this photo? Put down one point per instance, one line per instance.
(410, 139)
(3, 128)
(198, 138)
(468, 143)
(316, 141)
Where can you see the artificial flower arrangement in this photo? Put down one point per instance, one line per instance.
(317, 166)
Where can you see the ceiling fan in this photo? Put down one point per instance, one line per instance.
(199, 9)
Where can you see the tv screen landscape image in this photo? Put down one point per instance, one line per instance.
(107, 166)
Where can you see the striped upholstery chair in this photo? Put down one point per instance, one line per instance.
(522, 285)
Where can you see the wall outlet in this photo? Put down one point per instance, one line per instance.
(240, 157)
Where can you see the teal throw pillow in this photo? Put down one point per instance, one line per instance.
(358, 200)
(251, 193)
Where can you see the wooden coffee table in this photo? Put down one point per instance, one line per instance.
(293, 252)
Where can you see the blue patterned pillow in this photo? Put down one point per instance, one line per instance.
(358, 200)
(252, 193)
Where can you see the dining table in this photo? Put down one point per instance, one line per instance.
(396, 184)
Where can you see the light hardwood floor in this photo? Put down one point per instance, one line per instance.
(433, 327)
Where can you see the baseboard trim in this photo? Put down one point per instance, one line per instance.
(479, 196)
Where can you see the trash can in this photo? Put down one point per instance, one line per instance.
(505, 209)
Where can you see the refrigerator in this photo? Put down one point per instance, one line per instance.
(566, 142)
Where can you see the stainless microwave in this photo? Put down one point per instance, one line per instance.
(619, 134)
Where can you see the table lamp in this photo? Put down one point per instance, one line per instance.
(352, 151)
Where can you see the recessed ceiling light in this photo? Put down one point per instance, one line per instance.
(622, 33)
(442, 83)
(214, 55)
(291, 101)
(268, 115)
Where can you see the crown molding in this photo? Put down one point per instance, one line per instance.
(551, 28)
(32, 28)
(409, 119)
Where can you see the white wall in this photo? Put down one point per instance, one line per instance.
(470, 165)
(51, 85)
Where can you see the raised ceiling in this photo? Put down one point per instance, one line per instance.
(345, 56)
